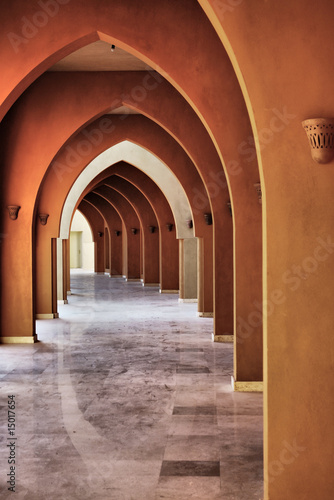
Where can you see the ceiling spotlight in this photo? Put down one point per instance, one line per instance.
(112, 48)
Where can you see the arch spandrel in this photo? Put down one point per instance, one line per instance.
(143, 160)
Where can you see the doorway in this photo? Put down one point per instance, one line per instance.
(75, 249)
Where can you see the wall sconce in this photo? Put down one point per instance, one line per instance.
(117, 232)
(208, 219)
(189, 223)
(151, 229)
(259, 191)
(13, 211)
(100, 234)
(133, 230)
(229, 207)
(43, 218)
(169, 227)
(320, 132)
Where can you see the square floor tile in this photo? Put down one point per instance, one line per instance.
(190, 468)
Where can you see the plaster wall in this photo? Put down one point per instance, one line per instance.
(284, 74)
(278, 54)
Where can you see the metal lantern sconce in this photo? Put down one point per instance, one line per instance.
(229, 207)
(259, 191)
(169, 227)
(189, 223)
(43, 219)
(100, 234)
(320, 132)
(133, 230)
(208, 219)
(117, 232)
(13, 211)
(152, 229)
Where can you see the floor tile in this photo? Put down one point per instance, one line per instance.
(189, 468)
(193, 447)
(194, 410)
(194, 488)
(105, 399)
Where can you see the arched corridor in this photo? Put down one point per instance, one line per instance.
(197, 139)
(126, 396)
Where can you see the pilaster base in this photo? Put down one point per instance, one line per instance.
(151, 284)
(205, 314)
(223, 338)
(62, 302)
(117, 276)
(47, 316)
(69, 292)
(188, 300)
(19, 340)
(134, 280)
(169, 291)
(246, 386)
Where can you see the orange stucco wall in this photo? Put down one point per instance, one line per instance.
(284, 73)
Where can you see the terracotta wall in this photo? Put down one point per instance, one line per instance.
(284, 72)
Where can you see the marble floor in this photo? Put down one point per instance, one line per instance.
(126, 397)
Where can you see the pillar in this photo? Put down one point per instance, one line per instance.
(205, 277)
(106, 250)
(46, 278)
(169, 260)
(68, 267)
(61, 264)
(99, 253)
(188, 270)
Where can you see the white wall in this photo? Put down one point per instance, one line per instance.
(80, 223)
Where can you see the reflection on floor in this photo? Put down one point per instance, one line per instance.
(126, 397)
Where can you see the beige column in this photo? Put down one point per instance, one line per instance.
(61, 269)
(188, 270)
(205, 277)
(68, 268)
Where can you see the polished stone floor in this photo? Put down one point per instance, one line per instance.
(126, 397)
